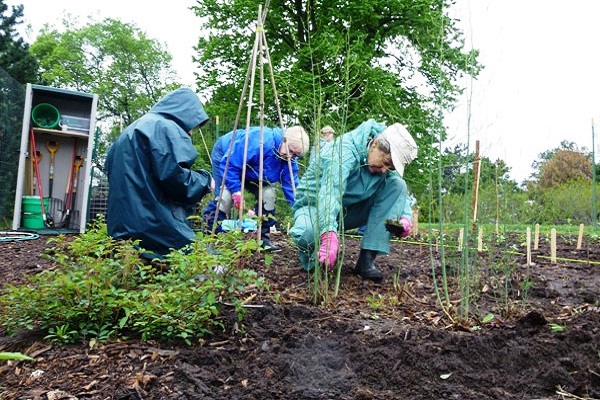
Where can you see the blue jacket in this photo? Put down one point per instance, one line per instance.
(275, 169)
(151, 186)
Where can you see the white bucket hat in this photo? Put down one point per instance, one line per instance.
(327, 129)
(403, 147)
(297, 139)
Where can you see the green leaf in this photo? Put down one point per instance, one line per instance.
(15, 356)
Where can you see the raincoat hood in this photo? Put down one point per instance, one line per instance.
(183, 107)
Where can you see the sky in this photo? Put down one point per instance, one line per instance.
(540, 84)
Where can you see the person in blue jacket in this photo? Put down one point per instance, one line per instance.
(355, 181)
(280, 165)
(152, 188)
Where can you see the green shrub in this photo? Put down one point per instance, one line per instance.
(100, 288)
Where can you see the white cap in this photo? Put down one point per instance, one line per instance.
(297, 140)
(402, 145)
(327, 129)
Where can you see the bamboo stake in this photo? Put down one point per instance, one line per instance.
(476, 174)
(278, 107)
(261, 32)
(528, 246)
(249, 114)
(553, 246)
(580, 237)
(235, 126)
(415, 221)
(536, 237)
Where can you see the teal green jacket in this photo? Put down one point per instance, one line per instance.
(331, 182)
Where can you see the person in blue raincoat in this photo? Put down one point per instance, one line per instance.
(152, 188)
(280, 152)
(355, 181)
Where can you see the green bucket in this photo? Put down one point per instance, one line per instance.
(45, 115)
(32, 212)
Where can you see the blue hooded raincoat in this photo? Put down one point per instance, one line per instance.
(151, 187)
(275, 169)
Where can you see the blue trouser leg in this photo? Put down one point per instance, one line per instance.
(211, 208)
(387, 202)
(383, 200)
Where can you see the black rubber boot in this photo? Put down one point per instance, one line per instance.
(365, 266)
(267, 244)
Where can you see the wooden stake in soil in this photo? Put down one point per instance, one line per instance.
(461, 232)
(553, 246)
(415, 222)
(480, 240)
(528, 246)
(476, 175)
(580, 237)
(536, 237)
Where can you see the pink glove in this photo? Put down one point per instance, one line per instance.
(329, 248)
(406, 224)
(237, 200)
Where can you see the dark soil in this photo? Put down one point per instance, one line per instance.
(373, 341)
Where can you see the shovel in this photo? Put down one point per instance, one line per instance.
(52, 147)
(48, 221)
(78, 164)
(35, 165)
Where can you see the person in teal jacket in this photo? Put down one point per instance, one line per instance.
(152, 188)
(355, 181)
(278, 148)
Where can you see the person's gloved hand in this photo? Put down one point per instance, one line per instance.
(329, 248)
(406, 224)
(237, 200)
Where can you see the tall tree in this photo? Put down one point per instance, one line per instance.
(564, 166)
(560, 165)
(341, 62)
(116, 60)
(15, 57)
(129, 71)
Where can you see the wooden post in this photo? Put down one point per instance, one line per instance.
(461, 232)
(528, 246)
(480, 240)
(536, 237)
(553, 246)
(580, 237)
(415, 222)
(476, 174)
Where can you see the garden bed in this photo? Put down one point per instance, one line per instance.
(532, 332)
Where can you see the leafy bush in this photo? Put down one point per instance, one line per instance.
(569, 203)
(101, 288)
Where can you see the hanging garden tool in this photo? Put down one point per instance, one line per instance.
(35, 161)
(52, 147)
(48, 221)
(66, 212)
(78, 164)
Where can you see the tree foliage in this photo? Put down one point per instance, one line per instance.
(458, 167)
(560, 165)
(340, 63)
(15, 57)
(564, 166)
(129, 71)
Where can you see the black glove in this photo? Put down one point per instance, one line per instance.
(394, 227)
